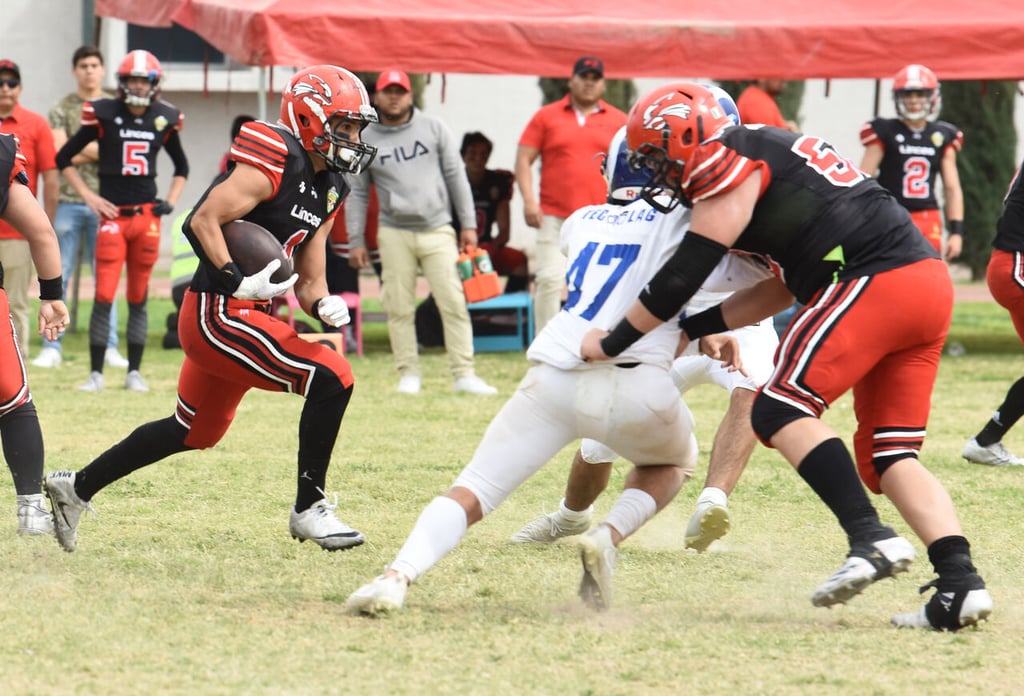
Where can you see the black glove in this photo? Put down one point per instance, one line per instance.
(162, 207)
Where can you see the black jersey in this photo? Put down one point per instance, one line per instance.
(1010, 227)
(12, 167)
(818, 217)
(912, 159)
(495, 187)
(302, 200)
(128, 147)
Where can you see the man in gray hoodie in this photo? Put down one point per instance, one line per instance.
(420, 178)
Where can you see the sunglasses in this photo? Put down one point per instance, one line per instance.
(11, 82)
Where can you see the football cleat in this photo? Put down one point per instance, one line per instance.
(865, 564)
(320, 524)
(955, 604)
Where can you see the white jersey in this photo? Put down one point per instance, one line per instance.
(612, 251)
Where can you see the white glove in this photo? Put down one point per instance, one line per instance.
(333, 310)
(259, 286)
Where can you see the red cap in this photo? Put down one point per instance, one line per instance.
(10, 66)
(393, 77)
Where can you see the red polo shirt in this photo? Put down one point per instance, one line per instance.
(36, 142)
(570, 154)
(757, 106)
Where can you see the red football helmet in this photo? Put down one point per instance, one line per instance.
(916, 78)
(664, 128)
(139, 63)
(316, 95)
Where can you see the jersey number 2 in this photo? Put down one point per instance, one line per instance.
(135, 159)
(622, 255)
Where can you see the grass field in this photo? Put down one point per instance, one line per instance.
(187, 581)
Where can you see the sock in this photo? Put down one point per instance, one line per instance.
(629, 513)
(439, 529)
(573, 515)
(1008, 414)
(828, 469)
(951, 555)
(715, 496)
(23, 448)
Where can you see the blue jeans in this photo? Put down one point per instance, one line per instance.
(75, 224)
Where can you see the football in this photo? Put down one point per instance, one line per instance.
(252, 247)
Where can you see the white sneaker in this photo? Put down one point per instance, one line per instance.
(994, 455)
(111, 358)
(320, 524)
(33, 517)
(93, 384)
(956, 603)
(409, 384)
(48, 357)
(863, 566)
(133, 382)
(597, 552)
(710, 521)
(547, 528)
(66, 506)
(471, 384)
(382, 596)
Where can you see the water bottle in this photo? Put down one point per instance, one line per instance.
(483, 262)
(464, 264)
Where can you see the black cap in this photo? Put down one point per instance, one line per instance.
(588, 64)
(10, 66)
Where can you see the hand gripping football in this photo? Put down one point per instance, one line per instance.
(252, 247)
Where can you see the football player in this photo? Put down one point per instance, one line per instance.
(734, 441)
(288, 179)
(849, 252)
(19, 423)
(631, 404)
(910, 152)
(131, 130)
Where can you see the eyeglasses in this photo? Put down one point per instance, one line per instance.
(11, 82)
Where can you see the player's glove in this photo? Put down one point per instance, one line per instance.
(332, 310)
(162, 207)
(259, 286)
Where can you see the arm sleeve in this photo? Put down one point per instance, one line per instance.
(177, 153)
(85, 135)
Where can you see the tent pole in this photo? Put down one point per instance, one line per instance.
(261, 95)
(878, 96)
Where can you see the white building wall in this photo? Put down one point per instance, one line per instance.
(40, 36)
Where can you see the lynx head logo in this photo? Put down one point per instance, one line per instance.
(313, 87)
(655, 114)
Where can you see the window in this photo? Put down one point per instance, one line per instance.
(174, 45)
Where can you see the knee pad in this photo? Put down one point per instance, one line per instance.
(593, 452)
(769, 415)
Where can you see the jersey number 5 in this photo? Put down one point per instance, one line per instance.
(135, 159)
(622, 255)
(823, 158)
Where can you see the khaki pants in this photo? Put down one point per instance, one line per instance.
(402, 254)
(17, 261)
(549, 271)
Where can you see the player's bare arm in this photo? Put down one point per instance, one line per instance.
(872, 159)
(753, 304)
(953, 194)
(310, 263)
(239, 193)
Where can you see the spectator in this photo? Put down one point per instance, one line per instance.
(1003, 278)
(76, 225)
(127, 202)
(909, 152)
(226, 163)
(36, 144)
(757, 104)
(419, 178)
(859, 265)
(19, 423)
(566, 135)
(492, 191)
(294, 164)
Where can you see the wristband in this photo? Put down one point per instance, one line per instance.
(232, 276)
(315, 311)
(955, 227)
(622, 337)
(710, 321)
(52, 289)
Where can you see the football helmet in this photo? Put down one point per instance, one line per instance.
(663, 129)
(916, 78)
(725, 101)
(139, 63)
(625, 183)
(312, 99)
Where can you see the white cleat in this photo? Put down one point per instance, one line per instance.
(409, 384)
(384, 595)
(48, 357)
(597, 553)
(993, 455)
(33, 517)
(548, 528)
(962, 602)
(66, 506)
(133, 382)
(710, 521)
(319, 523)
(863, 566)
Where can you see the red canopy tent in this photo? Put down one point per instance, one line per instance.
(791, 39)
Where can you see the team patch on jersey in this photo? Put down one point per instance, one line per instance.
(160, 123)
(938, 138)
(332, 199)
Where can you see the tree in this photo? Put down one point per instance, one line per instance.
(984, 112)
